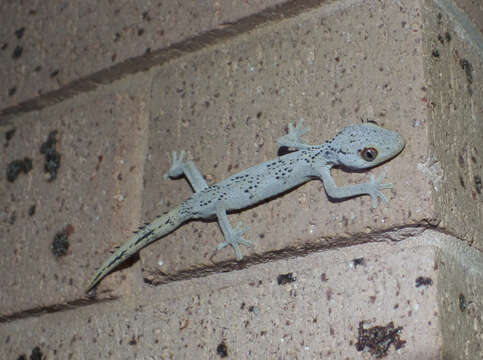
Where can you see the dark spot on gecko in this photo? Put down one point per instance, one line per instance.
(435, 53)
(133, 341)
(17, 52)
(32, 210)
(462, 182)
(20, 32)
(119, 256)
(52, 157)
(440, 38)
(222, 350)
(38, 68)
(378, 339)
(423, 281)
(358, 261)
(54, 73)
(12, 91)
(17, 166)
(285, 279)
(447, 36)
(4, 46)
(143, 237)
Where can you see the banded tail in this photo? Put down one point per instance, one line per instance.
(163, 225)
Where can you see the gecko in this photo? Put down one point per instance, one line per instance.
(355, 147)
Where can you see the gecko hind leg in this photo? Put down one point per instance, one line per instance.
(187, 168)
(233, 236)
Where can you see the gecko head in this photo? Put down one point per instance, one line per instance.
(364, 146)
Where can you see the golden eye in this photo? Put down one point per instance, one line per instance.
(369, 154)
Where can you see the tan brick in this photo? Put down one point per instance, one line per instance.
(95, 197)
(48, 45)
(316, 316)
(454, 78)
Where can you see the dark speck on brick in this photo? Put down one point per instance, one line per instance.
(10, 133)
(17, 166)
(61, 244)
(146, 16)
(17, 52)
(19, 33)
(36, 354)
(52, 157)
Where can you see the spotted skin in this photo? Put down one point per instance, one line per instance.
(355, 147)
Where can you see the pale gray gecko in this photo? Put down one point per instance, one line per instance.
(355, 147)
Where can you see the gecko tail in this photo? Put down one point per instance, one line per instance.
(161, 226)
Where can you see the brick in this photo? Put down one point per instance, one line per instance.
(254, 316)
(98, 175)
(48, 46)
(454, 76)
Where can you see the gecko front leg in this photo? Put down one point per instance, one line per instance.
(292, 139)
(373, 188)
(233, 236)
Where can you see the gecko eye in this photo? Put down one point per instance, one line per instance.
(369, 154)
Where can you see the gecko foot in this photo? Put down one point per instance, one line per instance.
(292, 139)
(375, 187)
(234, 239)
(297, 131)
(177, 165)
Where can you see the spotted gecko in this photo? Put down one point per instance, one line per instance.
(355, 147)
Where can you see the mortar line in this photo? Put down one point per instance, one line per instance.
(322, 245)
(220, 34)
(49, 309)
